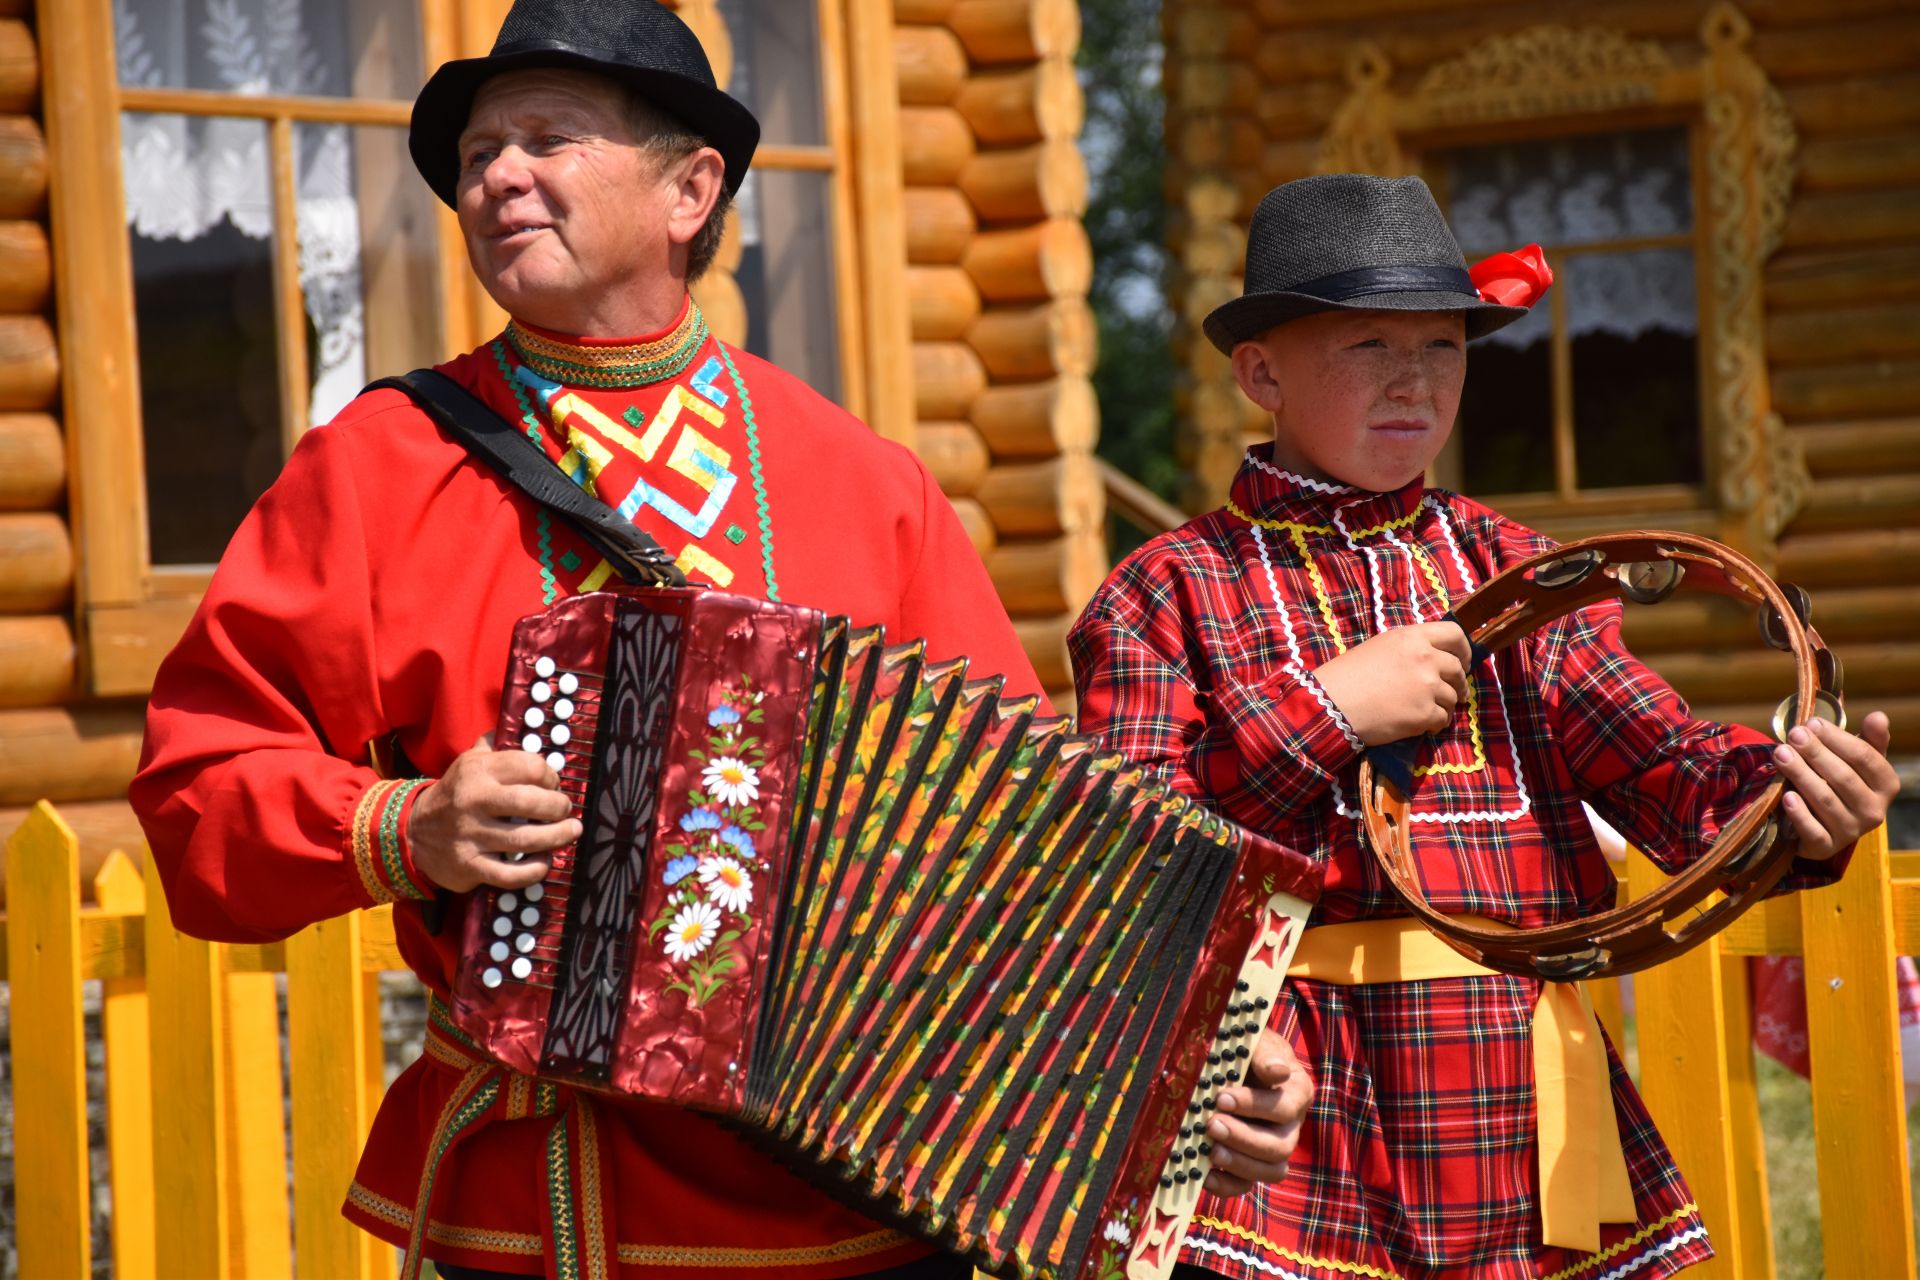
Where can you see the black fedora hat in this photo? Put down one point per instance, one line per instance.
(637, 42)
(1350, 241)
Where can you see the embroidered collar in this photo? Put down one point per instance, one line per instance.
(1268, 494)
(592, 362)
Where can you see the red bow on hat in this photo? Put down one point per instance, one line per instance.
(1516, 279)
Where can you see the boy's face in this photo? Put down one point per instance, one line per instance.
(1365, 398)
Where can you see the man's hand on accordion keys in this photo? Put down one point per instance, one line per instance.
(1257, 1125)
(490, 821)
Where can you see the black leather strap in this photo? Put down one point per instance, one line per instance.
(635, 556)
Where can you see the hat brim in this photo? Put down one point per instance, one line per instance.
(441, 111)
(1251, 315)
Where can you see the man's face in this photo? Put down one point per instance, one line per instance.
(1365, 398)
(557, 201)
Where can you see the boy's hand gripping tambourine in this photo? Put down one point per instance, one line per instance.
(1752, 851)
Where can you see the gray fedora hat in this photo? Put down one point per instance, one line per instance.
(1350, 241)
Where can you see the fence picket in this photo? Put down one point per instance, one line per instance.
(259, 1230)
(119, 891)
(189, 1072)
(53, 1208)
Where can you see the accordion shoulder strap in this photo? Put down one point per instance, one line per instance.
(634, 555)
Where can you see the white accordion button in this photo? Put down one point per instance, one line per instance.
(535, 717)
(523, 943)
(500, 951)
(507, 903)
(563, 709)
(529, 916)
(543, 666)
(561, 735)
(556, 761)
(534, 892)
(522, 967)
(491, 977)
(502, 926)
(569, 682)
(541, 691)
(531, 743)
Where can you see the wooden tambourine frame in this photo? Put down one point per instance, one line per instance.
(1752, 851)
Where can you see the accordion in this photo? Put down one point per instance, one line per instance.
(931, 949)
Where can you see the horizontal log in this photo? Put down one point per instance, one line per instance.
(1028, 104)
(1043, 499)
(37, 661)
(1826, 219)
(1856, 161)
(1221, 142)
(1023, 344)
(956, 454)
(1877, 390)
(26, 267)
(101, 826)
(1854, 502)
(944, 303)
(1038, 419)
(935, 146)
(1049, 576)
(929, 11)
(1016, 30)
(1045, 640)
(1836, 334)
(29, 364)
(979, 527)
(1214, 32)
(1855, 102)
(1211, 86)
(23, 168)
(19, 67)
(1208, 198)
(1869, 47)
(36, 563)
(1843, 277)
(1757, 674)
(1026, 184)
(1288, 159)
(1844, 616)
(1214, 248)
(68, 753)
(940, 224)
(1521, 13)
(930, 63)
(947, 378)
(1872, 447)
(1304, 107)
(33, 462)
(1904, 712)
(1855, 558)
(1048, 259)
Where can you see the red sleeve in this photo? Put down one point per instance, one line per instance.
(1668, 781)
(1263, 751)
(254, 787)
(948, 598)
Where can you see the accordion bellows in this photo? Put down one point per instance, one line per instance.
(931, 949)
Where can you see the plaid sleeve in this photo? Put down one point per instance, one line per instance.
(1261, 747)
(1667, 780)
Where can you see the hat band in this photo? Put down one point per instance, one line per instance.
(1358, 283)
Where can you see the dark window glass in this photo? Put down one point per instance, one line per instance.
(1506, 410)
(776, 67)
(1636, 385)
(786, 274)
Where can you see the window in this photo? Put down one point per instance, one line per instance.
(1600, 388)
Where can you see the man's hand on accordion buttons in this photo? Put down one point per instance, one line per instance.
(1401, 683)
(1841, 783)
(491, 820)
(1257, 1125)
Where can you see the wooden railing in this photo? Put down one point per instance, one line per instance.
(193, 1078)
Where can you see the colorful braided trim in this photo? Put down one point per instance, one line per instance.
(615, 366)
(378, 841)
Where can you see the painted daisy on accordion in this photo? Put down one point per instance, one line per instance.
(731, 780)
(728, 884)
(692, 931)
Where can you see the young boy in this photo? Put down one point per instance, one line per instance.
(1253, 653)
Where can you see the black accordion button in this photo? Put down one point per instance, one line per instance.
(1243, 985)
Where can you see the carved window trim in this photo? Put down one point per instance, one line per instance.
(1531, 81)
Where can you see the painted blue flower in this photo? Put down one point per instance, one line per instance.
(700, 820)
(740, 840)
(721, 716)
(680, 868)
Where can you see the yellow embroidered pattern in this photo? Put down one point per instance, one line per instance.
(670, 1256)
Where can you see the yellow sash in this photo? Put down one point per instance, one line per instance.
(1583, 1170)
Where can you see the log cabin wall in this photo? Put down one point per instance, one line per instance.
(1003, 339)
(1255, 87)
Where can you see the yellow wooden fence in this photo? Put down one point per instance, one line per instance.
(194, 1074)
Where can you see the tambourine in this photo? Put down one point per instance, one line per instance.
(1752, 851)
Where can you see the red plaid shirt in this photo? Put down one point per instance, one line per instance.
(1198, 654)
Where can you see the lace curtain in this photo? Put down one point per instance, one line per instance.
(1586, 191)
(184, 176)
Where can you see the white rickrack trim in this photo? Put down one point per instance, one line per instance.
(1281, 473)
(1373, 567)
(1453, 544)
(1696, 1232)
(1294, 666)
(1201, 1245)
(1651, 1253)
